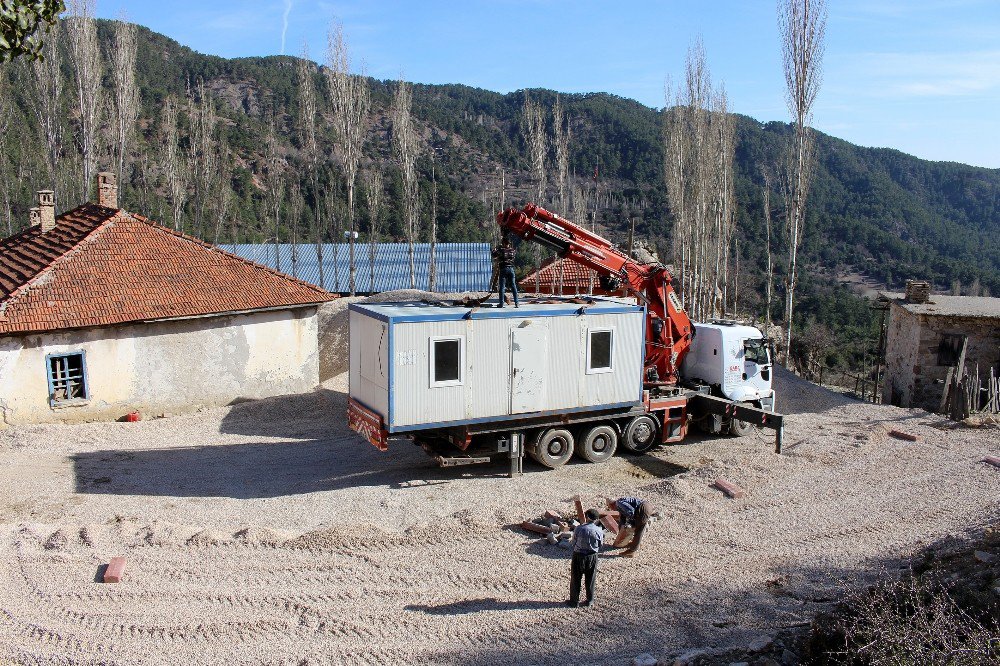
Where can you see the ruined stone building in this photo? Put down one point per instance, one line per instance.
(103, 312)
(926, 335)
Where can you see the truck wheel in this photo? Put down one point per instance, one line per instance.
(740, 428)
(598, 444)
(553, 448)
(640, 434)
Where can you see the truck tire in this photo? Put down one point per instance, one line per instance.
(597, 444)
(740, 428)
(640, 434)
(553, 447)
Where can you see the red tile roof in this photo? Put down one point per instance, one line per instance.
(573, 275)
(103, 266)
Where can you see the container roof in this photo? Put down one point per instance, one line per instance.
(431, 311)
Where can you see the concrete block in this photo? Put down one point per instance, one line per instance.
(115, 570)
(730, 489)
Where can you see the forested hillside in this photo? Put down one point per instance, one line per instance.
(877, 213)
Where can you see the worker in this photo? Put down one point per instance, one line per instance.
(633, 513)
(504, 255)
(587, 540)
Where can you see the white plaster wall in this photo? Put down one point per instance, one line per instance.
(168, 366)
(902, 340)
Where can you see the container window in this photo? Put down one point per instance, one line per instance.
(446, 361)
(67, 378)
(600, 351)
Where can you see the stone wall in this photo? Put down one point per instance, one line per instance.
(913, 375)
(170, 366)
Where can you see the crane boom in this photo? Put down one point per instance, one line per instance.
(668, 328)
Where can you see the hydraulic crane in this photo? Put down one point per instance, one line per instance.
(669, 331)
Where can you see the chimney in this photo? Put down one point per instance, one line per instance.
(47, 210)
(107, 189)
(918, 291)
(34, 217)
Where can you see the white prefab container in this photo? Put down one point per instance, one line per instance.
(422, 366)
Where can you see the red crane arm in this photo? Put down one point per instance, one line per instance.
(668, 328)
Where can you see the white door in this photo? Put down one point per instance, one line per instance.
(528, 360)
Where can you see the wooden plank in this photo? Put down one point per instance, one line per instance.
(536, 528)
(992, 460)
(115, 570)
(947, 389)
(899, 434)
(624, 536)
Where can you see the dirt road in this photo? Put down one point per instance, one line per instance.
(269, 533)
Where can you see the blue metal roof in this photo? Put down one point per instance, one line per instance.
(460, 266)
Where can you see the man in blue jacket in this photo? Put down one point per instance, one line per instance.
(587, 541)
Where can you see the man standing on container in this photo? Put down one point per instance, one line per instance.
(587, 541)
(504, 255)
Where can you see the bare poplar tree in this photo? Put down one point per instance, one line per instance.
(404, 138)
(374, 191)
(202, 151)
(310, 148)
(533, 129)
(223, 198)
(46, 83)
(6, 179)
(803, 28)
(432, 268)
(766, 192)
(175, 167)
(699, 144)
(274, 185)
(126, 94)
(351, 101)
(562, 135)
(295, 206)
(87, 71)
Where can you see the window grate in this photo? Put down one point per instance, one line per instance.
(67, 377)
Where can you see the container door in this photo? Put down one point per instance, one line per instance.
(528, 361)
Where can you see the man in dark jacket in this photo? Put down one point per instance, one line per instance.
(635, 513)
(504, 255)
(587, 541)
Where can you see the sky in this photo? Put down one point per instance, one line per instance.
(921, 76)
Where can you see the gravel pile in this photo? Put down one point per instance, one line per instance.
(269, 533)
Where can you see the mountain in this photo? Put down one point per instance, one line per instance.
(875, 216)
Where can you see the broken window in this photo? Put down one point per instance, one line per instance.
(67, 377)
(446, 361)
(600, 350)
(950, 348)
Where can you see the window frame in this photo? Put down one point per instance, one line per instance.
(51, 379)
(432, 356)
(611, 352)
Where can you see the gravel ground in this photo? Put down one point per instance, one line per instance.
(269, 533)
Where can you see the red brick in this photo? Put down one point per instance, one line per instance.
(115, 570)
(580, 515)
(729, 488)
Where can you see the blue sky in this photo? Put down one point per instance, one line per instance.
(922, 76)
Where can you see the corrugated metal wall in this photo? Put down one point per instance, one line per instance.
(369, 370)
(460, 266)
(485, 391)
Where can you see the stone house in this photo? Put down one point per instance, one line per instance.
(103, 312)
(927, 334)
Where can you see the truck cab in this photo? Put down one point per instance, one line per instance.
(734, 359)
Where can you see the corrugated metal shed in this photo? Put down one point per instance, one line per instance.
(460, 266)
